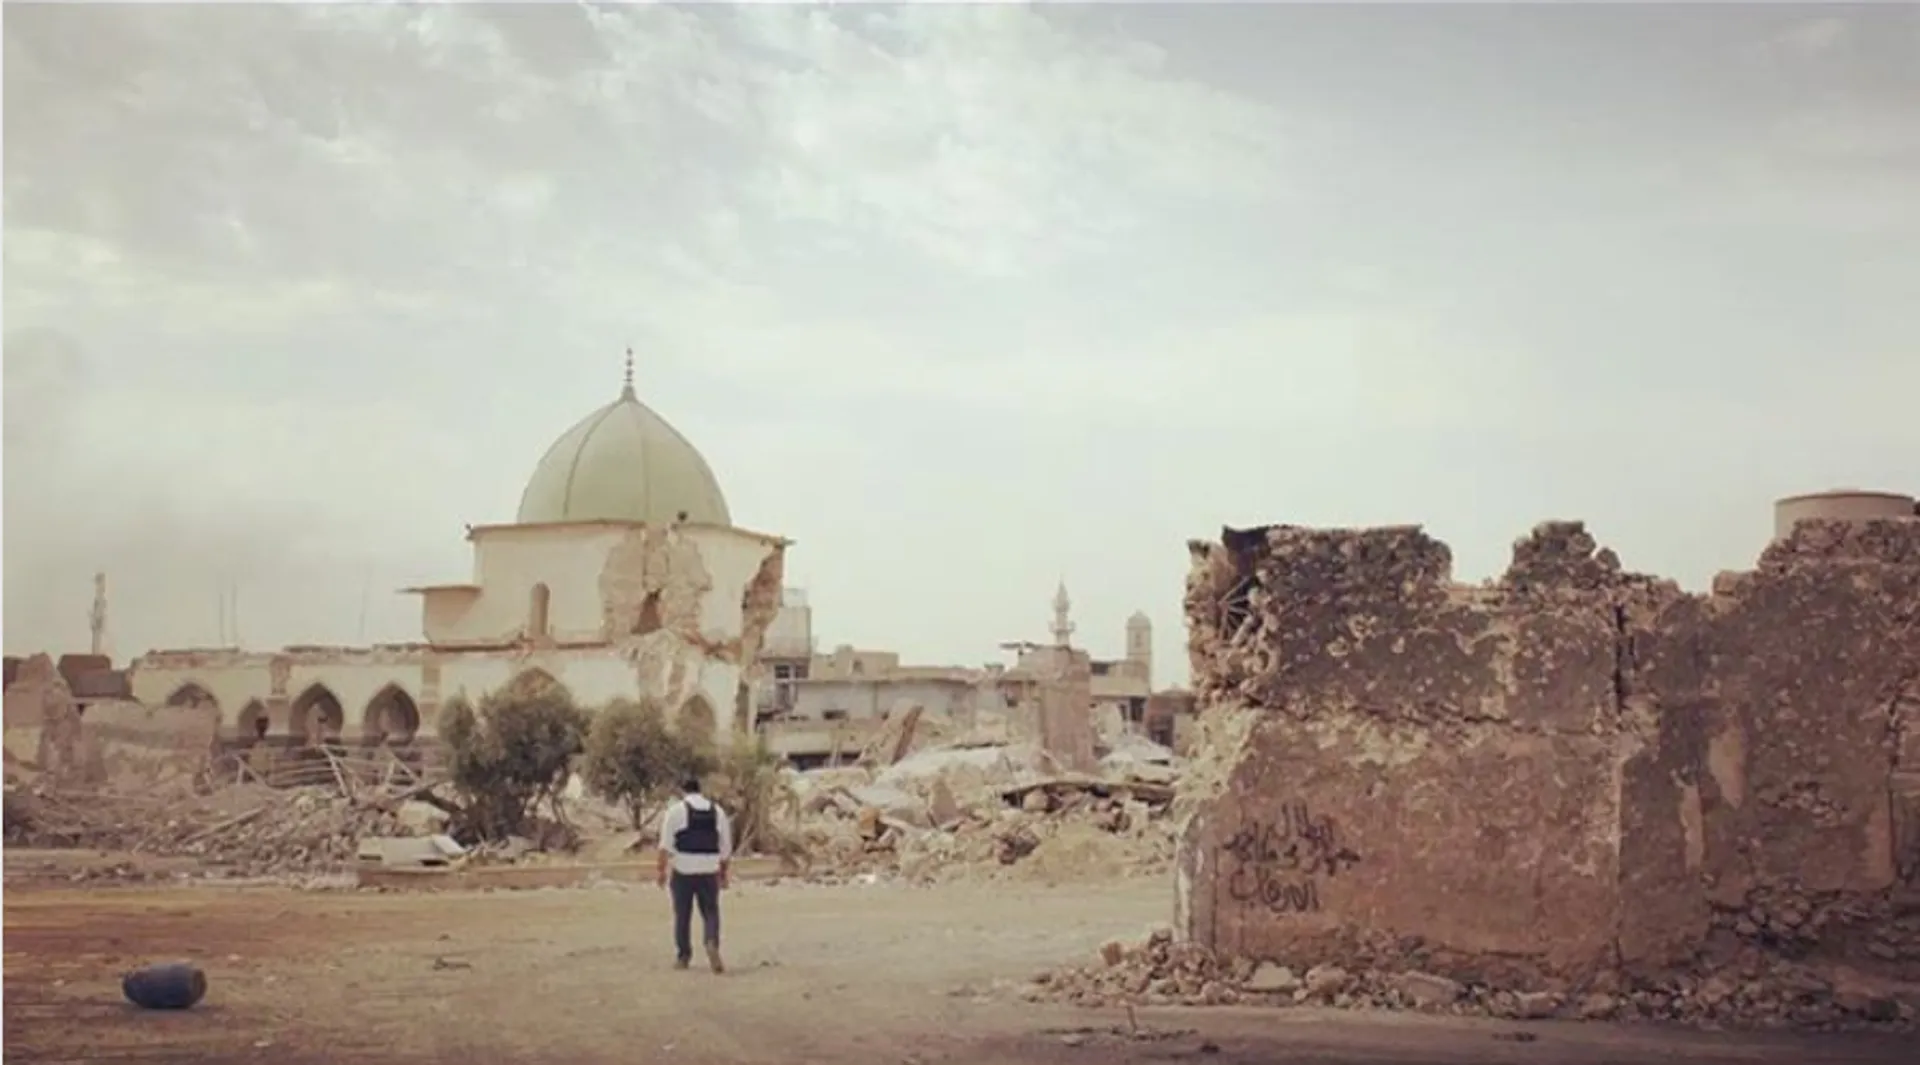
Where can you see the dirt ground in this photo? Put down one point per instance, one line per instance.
(851, 974)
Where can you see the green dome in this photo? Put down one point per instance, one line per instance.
(623, 462)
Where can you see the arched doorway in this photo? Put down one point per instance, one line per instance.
(191, 696)
(392, 717)
(696, 719)
(317, 716)
(253, 724)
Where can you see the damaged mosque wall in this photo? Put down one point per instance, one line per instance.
(623, 576)
(1565, 777)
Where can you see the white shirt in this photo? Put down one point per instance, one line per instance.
(675, 819)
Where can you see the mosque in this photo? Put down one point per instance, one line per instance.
(622, 575)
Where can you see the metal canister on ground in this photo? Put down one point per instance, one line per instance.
(167, 986)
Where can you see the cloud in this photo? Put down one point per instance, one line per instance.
(988, 137)
(315, 284)
(1813, 37)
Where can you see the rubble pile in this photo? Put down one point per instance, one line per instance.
(1752, 991)
(249, 830)
(988, 812)
(1783, 918)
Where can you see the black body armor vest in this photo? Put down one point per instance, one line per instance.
(702, 834)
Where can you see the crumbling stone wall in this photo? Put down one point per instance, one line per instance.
(1064, 709)
(1564, 777)
(41, 706)
(1811, 701)
(658, 594)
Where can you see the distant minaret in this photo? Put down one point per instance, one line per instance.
(1062, 624)
(1140, 644)
(97, 619)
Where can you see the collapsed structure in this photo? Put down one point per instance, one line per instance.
(1571, 777)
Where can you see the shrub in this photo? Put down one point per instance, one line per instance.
(512, 753)
(748, 782)
(634, 759)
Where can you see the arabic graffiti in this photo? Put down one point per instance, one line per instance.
(1257, 884)
(1279, 862)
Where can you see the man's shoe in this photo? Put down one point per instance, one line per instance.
(713, 958)
(681, 963)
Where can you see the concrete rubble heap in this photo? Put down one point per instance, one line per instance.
(246, 830)
(991, 811)
(1573, 781)
(972, 808)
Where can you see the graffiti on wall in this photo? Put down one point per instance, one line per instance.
(1280, 860)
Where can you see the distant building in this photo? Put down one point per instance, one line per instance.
(622, 575)
(821, 707)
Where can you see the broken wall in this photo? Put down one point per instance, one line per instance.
(42, 724)
(1567, 771)
(1806, 673)
(1064, 706)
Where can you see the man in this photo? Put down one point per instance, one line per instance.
(696, 846)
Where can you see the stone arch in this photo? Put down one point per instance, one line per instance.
(317, 715)
(539, 625)
(191, 695)
(696, 718)
(253, 722)
(391, 717)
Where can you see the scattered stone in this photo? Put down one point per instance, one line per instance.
(1270, 978)
(1159, 970)
(1427, 991)
(1536, 1005)
(1326, 981)
(1598, 1007)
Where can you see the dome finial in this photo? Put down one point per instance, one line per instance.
(626, 380)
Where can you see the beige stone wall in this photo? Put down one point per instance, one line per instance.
(1569, 770)
(675, 614)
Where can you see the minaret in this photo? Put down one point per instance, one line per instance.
(1062, 624)
(626, 380)
(97, 618)
(1140, 644)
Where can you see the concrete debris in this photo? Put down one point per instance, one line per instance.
(247, 831)
(987, 812)
(1760, 992)
(410, 852)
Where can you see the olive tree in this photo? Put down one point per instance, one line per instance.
(634, 758)
(512, 753)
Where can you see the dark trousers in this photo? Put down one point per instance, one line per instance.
(687, 890)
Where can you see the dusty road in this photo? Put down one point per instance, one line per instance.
(843, 975)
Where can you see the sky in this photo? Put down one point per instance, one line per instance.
(965, 300)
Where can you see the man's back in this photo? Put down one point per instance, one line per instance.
(696, 831)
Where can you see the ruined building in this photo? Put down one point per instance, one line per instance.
(1568, 776)
(622, 575)
(818, 708)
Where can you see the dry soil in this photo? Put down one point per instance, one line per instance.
(851, 974)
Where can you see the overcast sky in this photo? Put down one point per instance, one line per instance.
(962, 299)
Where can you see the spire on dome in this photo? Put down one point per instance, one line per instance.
(626, 380)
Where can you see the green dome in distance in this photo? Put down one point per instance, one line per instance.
(623, 462)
